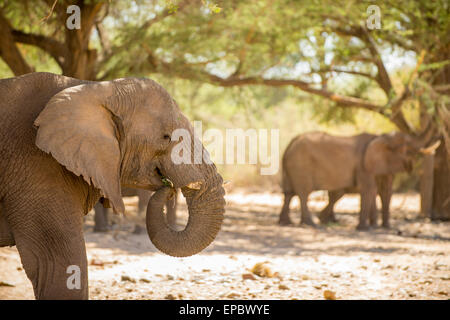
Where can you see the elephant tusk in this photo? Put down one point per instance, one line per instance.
(431, 149)
(195, 185)
(167, 182)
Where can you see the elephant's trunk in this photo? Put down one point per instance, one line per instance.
(206, 209)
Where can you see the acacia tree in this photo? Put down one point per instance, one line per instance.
(321, 48)
(80, 52)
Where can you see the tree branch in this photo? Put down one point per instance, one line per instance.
(104, 40)
(382, 77)
(146, 25)
(53, 47)
(401, 42)
(186, 72)
(397, 116)
(50, 13)
(9, 51)
(361, 33)
(357, 73)
(181, 6)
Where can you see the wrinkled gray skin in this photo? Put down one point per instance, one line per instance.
(64, 144)
(319, 161)
(102, 212)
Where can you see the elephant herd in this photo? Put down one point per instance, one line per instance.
(68, 143)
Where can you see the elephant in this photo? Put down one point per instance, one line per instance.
(102, 209)
(384, 189)
(340, 164)
(67, 142)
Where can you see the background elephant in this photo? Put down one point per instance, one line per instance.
(384, 189)
(102, 212)
(319, 161)
(65, 143)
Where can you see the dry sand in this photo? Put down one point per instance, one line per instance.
(410, 261)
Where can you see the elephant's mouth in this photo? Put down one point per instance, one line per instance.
(157, 172)
(165, 181)
(154, 180)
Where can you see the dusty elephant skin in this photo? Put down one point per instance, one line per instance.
(319, 161)
(66, 142)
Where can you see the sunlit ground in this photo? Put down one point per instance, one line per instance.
(411, 261)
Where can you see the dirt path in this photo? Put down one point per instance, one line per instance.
(411, 261)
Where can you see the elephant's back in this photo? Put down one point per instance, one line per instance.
(323, 161)
(26, 96)
(21, 100)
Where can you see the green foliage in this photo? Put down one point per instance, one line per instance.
(434, 66)
(186, 46)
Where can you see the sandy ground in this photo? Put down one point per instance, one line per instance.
(411, 261)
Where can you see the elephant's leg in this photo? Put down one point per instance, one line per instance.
(327, 214)
(384, 184)
(368, 197)
(303, 187)
(49, 238)
(305, 217)
(373, 216)
(171, 206)
(101, 218)
(284, 214)
(144, 197)
(6, 236)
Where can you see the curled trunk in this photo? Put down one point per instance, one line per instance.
(206, 209)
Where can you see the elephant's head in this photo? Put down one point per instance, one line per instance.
(118, 134)
(394, 152)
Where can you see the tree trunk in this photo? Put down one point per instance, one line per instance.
(426, 185)
(441, 187)
(9, 51)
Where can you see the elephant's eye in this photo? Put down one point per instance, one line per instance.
(166, 136)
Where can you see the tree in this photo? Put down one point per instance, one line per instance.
(322, 48)
(85, 51)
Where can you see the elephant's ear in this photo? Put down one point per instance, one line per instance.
(375, 157)
(78, 130)
(385, 152)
